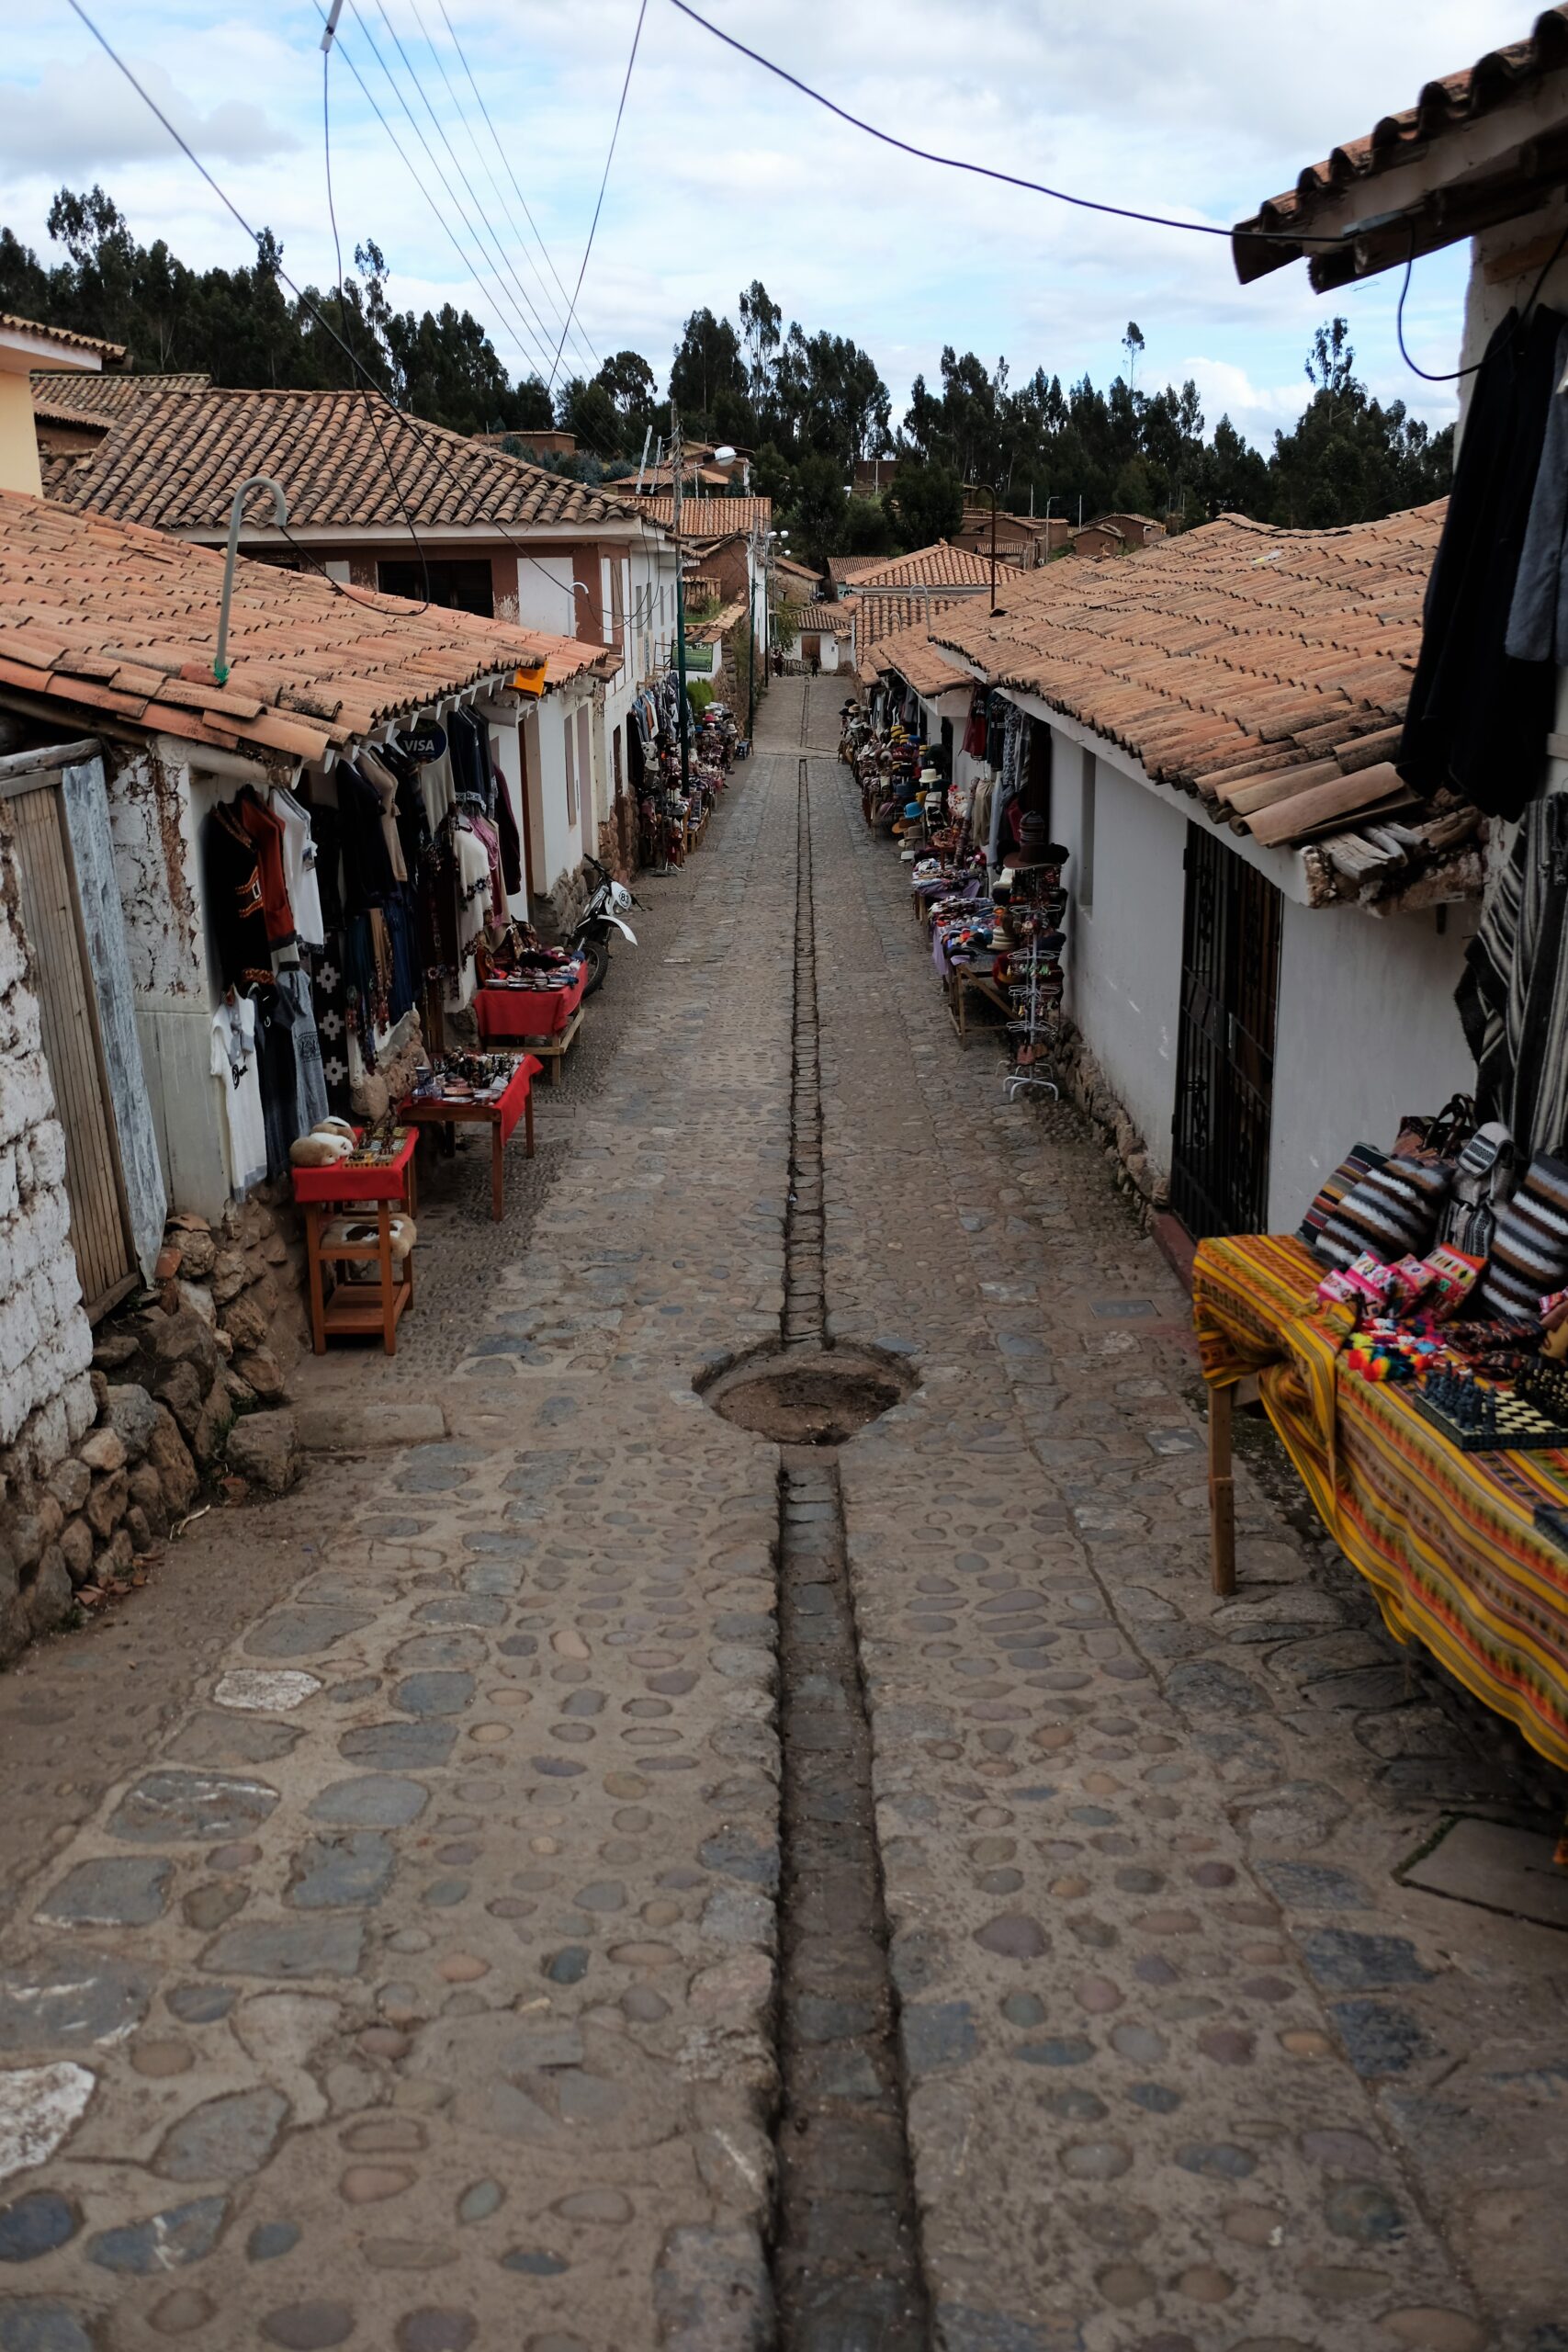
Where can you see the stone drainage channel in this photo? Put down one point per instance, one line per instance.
(846, 2260)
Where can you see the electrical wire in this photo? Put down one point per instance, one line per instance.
(311, 309)
(984, 171)
(472, 141)
(528, 342)
(534, 348)
(371, 416)
(469, 271)
(1455, 375)
(539, 328)
(593, 225)
(506, 162)
(474, 146)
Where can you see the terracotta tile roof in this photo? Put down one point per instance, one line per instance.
(111, 354)
(786, 564)
(172, 458)
(918, 661)
(52, 388)
(878, 613)
(709, 518)
(109, 617)
(710, 632)
(822, 620)
(1502, 77)
(844, 567)
(939, 566)
(1264, 670)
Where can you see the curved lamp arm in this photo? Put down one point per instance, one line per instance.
(236, 508)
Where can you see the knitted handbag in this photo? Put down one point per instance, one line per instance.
(1484, 1175)
(1393, 1213)
(1529, 1244)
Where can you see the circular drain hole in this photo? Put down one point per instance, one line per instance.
(808, 1398)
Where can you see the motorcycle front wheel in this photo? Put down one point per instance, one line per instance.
(596, 955)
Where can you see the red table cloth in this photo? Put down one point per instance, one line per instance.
(386, 1180)
(507, 1107)
(527, 1013)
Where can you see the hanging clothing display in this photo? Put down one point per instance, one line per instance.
(1513, 998)
(1478, 717)
(235, 913)
(266, 831)
(1537, 620)
(384, 784)
(309, 1085)
(299, 867)
(234, 1064)
(329, 998)
(511, 839)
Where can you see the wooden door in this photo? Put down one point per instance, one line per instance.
(1225, 1083)
(73, 1043)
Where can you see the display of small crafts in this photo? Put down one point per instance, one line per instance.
(459, 1077)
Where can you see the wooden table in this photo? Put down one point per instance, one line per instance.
(357, 1309)
(965, 984)
(500, 1113)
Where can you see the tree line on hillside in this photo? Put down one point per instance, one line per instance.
(807, 406)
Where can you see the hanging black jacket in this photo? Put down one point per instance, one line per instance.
(1477, 722)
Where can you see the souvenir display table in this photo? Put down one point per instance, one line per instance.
(1450, 1539)
(383, 1182)
(500, 1105)
(508, 1009)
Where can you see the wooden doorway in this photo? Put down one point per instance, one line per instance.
(72, 1040)
(1225, 1079)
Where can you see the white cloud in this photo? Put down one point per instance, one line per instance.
(84, 118)
(722, 175)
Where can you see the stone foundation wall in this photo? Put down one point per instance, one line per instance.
(181, 1392)
(1083, 1081)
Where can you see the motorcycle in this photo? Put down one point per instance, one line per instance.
(603, 915)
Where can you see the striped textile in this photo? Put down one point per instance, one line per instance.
(1446, 1539)
(1358, 1162)
(1529, 1244)
(1513, 997)
(1393, 1213)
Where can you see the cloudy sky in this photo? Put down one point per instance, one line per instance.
(722, 175)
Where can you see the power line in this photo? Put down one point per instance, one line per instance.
(371, 416)
(510, 175)
(592, 228)
(305, 304)
(472, 137)
(984, 171)
(485, 226)
(527, 338)
(539, 341)
(610, 456)
(471, 140)
(469, 271)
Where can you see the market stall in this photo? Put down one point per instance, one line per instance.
(1422, 1400)
(494, 1091)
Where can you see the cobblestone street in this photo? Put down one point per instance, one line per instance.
(448, 1953)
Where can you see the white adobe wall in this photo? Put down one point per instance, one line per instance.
(1123, 951)
(1367, 1023)
(545, 597)
(46, 1342)
(1368, 1030)
(558, 840)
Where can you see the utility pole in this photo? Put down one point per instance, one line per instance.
(993, 548)
(751, 638)
(676, 445)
